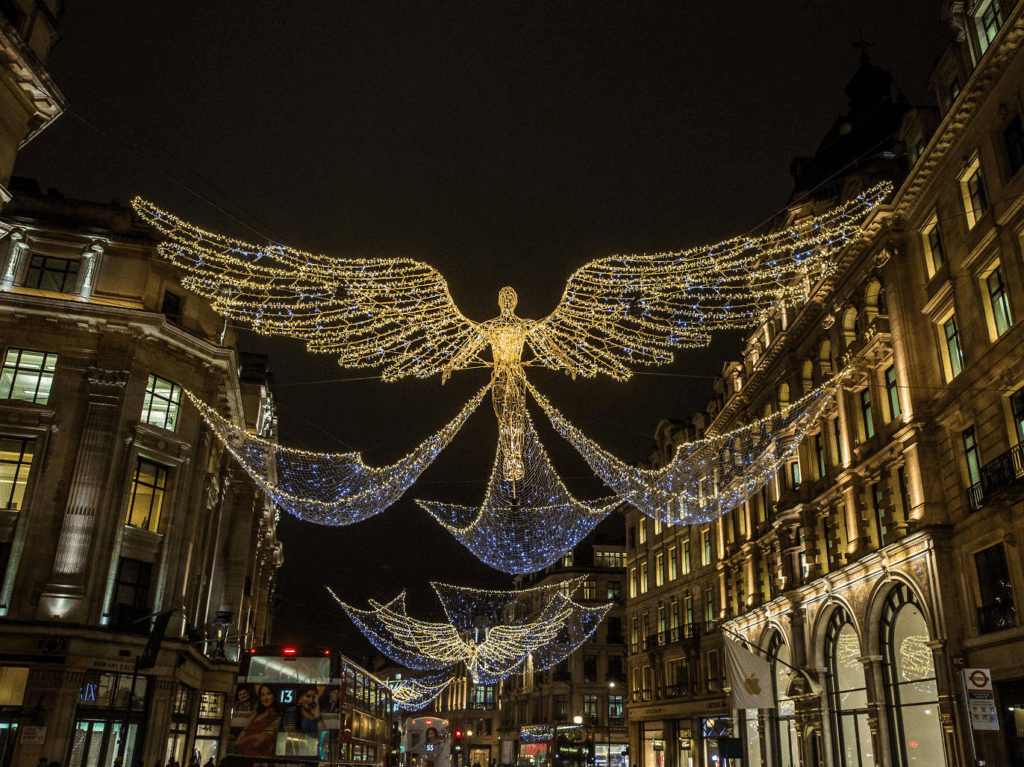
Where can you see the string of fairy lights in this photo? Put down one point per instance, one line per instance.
(415, 693)
(491, 646)
(328, 488)
(526, 525)
(615, 313)
(709, 477)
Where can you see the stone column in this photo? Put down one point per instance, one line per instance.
(857, 538)
(878, 719)
(17, 251)
(63, 598)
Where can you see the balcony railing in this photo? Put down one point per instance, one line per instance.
(677, 690)
(976, 496)
(1003, 472)
(996, 616)
(684, 633)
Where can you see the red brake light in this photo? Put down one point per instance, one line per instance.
(458, 733)
(252, 650)
(429, 722)
(327, 652)
(289, 650)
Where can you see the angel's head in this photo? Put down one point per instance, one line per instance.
(507, 300)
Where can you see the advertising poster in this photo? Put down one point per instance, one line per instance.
(277, 721)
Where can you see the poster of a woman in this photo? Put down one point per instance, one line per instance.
(260, 735)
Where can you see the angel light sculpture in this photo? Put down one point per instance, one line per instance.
(396, 314)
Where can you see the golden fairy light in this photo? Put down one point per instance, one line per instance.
(396, 314)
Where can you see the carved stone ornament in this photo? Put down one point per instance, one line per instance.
(828, 320)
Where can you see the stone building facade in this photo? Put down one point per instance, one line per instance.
(883, 558)
(590, 683)
(118, 504)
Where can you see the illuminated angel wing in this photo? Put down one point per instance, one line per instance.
(623, 310)
(392, 313)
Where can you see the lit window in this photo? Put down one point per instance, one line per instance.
(892, 389)
(989, 22)
(687, 562)
(998, 302)
(161, 403)
(614, 590)
(706, 540)
(15, 463)
(567, 559)
(673, 563)
(972, 456)
(1013, 141)
(1017, 413)
(643, 577)
(657, 527)
(659, 570)
(794, 474)
(632, 583)
(972, 189)
(952, 91)
(953, 356)
(590, 589)
(147, 499)
(709, 604)
(867, 418)
(935, 255)
(819, 453)
(27, 375)
(643, 531)
(50, 273)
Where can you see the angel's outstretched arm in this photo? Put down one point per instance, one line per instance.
(465, 354)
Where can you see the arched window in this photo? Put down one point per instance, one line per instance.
(848, 695)
(783, 396)
(872, 300)
(783, 716)
(807, 376)
(910, 688)
(825, 357)
(851, 326)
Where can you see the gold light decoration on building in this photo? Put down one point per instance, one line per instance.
(494, 633)
(615, 313)
(328, 488)
(708, 477)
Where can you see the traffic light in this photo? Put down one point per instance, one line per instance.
(458, 740)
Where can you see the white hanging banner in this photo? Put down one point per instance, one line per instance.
(750, 677)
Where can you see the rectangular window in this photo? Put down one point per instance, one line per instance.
(1017, 413)
(632, 583)
(709, 604)
(954, 356)
(837, 435)
(934, 252)
(635, 635)
(615, 630)
(590, 589)
(892, 389)
(615, 708)
(13, 682)
(673, 563)
(794, 474)
(170, 307)
(27, 375)
(657, 527)
(567, 559)
(999, 302)
(712, 670)
(877, 508)
(561, 707)
(131, 596)
(15, 464)
(997, 610)
(989, 23)
(867, 419)
(659, 569)
(161, 403)
(50, 273)
(819, 454)
(1013, 140)
(589, 669)
(952, 92)
(590, 708)
(687, 564)
(688, 608)
(643, 577)
(643, 531)
(614, 590)
(972, 188)
(972, 456)
(901, 480)
(148, 487)
(706, 541)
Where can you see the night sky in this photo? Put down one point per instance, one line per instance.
(504, 144)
